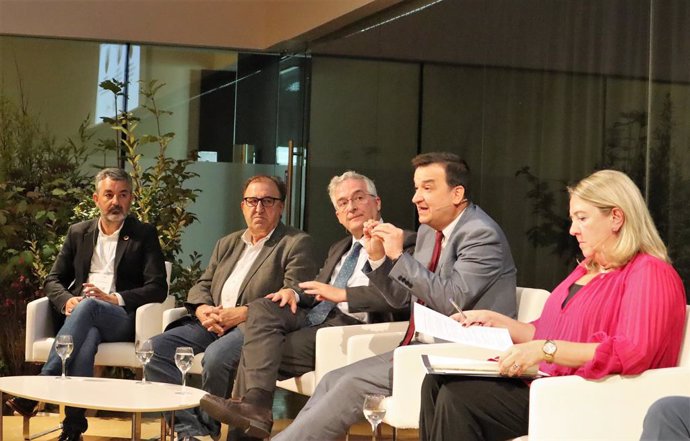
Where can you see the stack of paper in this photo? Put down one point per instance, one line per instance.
(436, 325)
(467, 366)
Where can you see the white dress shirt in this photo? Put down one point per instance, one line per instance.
(358, 278)
(102, 271)
(231, 288)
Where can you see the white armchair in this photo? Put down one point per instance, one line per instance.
(170, 316)
(561, 408)
(572, 408)
(40, 335)
(332, 345)
(402, 407)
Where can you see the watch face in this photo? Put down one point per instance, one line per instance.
(550, 347)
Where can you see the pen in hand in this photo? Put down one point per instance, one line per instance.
(457, 308)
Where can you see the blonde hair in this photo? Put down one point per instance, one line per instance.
(609, 189)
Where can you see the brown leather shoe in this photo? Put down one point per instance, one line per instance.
(24, 407)
(255, 421)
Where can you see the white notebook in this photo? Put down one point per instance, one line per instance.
(439, 365)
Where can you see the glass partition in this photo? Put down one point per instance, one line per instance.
(234, 113)
(534, 95)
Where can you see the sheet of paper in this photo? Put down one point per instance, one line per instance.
(429, 322)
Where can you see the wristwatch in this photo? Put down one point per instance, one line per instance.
(549, 349)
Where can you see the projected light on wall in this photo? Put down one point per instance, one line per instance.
(113, 61)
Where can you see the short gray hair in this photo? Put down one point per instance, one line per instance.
(337, 180)
(115, 174)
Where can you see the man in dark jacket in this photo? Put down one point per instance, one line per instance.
(106, 269)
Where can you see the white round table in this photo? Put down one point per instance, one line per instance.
(104, 394)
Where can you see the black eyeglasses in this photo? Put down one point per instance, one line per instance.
(267, 201)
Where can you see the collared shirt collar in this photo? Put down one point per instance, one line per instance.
(247, 238)
(115, 233)
(451, 226)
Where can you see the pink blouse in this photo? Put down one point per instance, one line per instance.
(636, 313)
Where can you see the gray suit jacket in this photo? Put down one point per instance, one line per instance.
(285, 260)
(476, 269)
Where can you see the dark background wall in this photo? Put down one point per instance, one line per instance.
(534, 94)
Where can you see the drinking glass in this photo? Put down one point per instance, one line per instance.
(374, 411)
(184, 356)
(63, 346)
(144, 351)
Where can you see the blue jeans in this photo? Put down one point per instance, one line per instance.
(91, 322)
(221, 357)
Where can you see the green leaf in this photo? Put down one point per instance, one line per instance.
(112, 85)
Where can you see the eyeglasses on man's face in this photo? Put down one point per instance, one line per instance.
(357, 199)
(267, 201)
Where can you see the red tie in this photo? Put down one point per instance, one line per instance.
(432, 267)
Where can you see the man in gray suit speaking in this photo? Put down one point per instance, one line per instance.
(461, 253)
(267, 259)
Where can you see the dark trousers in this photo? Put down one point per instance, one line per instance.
(473, 408)
(277, 344)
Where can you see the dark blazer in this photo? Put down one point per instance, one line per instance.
(287, 258)
(476, 269)
(366, 298)
(139, 266)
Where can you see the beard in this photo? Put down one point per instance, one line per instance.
(115, 215)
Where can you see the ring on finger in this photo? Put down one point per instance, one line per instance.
(516, 366)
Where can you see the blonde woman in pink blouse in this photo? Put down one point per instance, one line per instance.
(621, 311)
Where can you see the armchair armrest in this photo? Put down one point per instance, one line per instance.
(39, 325)
(408, 373)
(364, 346)
(332, 344)
(611, 408)
(171, 315)
(149, 318)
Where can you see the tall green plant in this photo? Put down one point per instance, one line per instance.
(41, 181)
(162, 196)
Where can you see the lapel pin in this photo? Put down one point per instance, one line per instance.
(125, 238)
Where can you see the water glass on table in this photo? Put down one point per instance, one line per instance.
(374, 411)
(143, 349)
(64, 346)
(184, 356)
